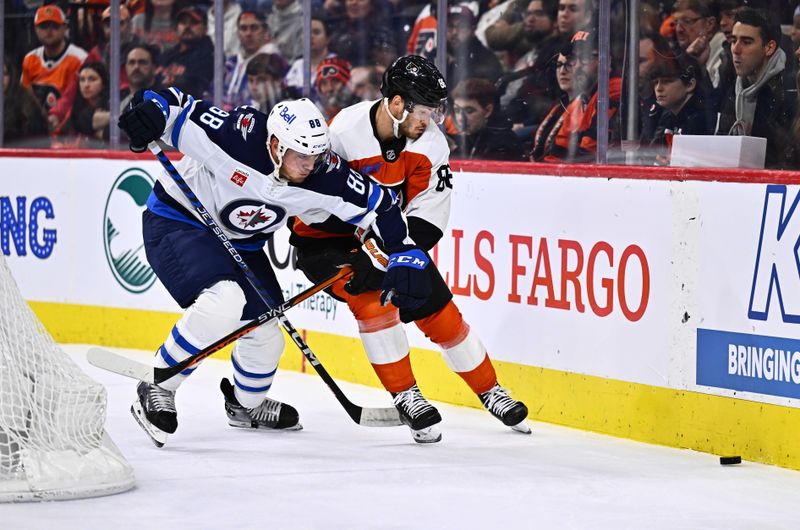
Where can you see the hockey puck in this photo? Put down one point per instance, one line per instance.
(730, 460)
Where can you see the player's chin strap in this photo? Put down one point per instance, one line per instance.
(395, 122)
(276, 174)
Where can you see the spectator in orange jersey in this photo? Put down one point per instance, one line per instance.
(576, 140)
(50, 70)
(24, 120)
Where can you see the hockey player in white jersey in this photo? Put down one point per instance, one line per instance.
(251, 172)
(395, 142)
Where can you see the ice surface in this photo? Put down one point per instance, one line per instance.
(337, 475)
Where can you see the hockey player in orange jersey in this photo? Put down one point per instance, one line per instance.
(395, 141)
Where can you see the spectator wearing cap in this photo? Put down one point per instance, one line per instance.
(319, 51)
(156, 25)
(265, 74)
(332, 84)
(466, 55)
(576, 139)
(483, 133)
(286, 25)
(189, 65)
(251, 28)
(758, 104)
(676, 83)
(127, 39)
(51, 70)
(697, 33)
(230, 22)
(362, 26)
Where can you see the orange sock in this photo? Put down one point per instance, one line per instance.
(396, 376)
(482, 378)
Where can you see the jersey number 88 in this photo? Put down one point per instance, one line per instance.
(215, 122)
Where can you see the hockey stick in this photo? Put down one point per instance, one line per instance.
(374, 417)
(120, 364)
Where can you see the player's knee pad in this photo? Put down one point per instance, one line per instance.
(255, 360)
(386, 345)
(466, 354)
(214, 314)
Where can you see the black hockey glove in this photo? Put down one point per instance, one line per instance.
(368, 264)
(407, 284)
(143, 122)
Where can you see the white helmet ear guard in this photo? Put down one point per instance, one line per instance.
(298, 125)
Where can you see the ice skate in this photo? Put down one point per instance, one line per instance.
(505, 408)
(154, 411)
(420, 416)
(271, 414)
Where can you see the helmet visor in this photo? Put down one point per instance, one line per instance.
(424, 112)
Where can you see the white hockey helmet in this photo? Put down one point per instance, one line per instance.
(298, 125)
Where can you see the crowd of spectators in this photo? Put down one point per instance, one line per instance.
(522, 74)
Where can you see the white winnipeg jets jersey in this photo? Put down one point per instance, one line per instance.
(229, 170)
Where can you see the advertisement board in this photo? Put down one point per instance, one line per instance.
(686, 285)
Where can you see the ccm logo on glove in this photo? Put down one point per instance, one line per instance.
(414, 258)
(407, 284)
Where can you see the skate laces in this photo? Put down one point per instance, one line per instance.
(412, 401)
(268, 411)
(497, 400)
(161, 399)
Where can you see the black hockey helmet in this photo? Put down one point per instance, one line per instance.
(416, 80)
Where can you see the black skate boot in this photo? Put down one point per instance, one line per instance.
(155, 412)
(270, 414)
(506, 409)
(420, 416)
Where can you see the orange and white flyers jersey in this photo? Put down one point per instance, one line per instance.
(49, 78)
(420, 171)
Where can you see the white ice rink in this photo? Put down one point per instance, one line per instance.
(337, 475)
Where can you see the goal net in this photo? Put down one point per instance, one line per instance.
(52, 441)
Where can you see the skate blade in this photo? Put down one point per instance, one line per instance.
(521, 427)
(157, 436)
(257, 427)
(428, 435)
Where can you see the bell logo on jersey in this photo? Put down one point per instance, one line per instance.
(239, 177)
(250, 216)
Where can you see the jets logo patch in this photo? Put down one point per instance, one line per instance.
(250, 216)
(245, 124)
